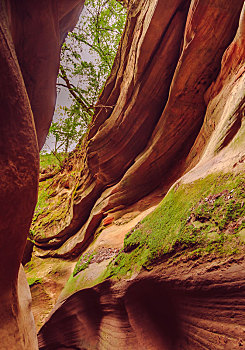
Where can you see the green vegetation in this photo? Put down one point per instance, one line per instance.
(34, 280)
(87, 278)
(83, 263)
(49, 216)
(49, 210)
(98, 33)
(55, 197)
(48, 160)
(87, 58)
(197, 219)
(43, 196)
(51, 161)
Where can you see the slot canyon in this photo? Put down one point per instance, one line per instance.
(141, 242)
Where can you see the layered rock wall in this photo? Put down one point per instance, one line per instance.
(150, 125)
(172, 112)
(185, 307)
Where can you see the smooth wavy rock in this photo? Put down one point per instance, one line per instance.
(157, 124)
(188, 306)
(174, 101)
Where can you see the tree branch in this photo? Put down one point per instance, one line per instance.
(73, 91)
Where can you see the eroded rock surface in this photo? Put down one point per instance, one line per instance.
(184, 306)
(172, 112)
(160, 107)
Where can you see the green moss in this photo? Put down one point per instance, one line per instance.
(199, 218)
(45, 191)
(34, 280)
(87, 278)
(49, 212)
(71, 285)
(83, 263)
(43, 197)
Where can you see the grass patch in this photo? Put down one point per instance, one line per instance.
(49, 160)
(200, 218)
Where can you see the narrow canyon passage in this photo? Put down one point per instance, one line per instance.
(141, 241)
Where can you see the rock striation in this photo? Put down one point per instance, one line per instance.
(154, 119)
(171, 113)
(179, 307)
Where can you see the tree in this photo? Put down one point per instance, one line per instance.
(67, 129)
(86, 61)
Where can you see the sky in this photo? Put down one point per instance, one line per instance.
(63, 96)
(63, 99)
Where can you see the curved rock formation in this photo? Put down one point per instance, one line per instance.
(172, 113)
(31, 34)
(188, 306)
(148, 129)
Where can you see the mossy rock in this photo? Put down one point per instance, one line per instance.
(33, 281)
(203, 216)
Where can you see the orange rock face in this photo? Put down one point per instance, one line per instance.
(152, 127)
(180, 308)
(31, 35)
(173, 109)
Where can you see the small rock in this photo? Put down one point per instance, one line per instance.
(108, 221)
